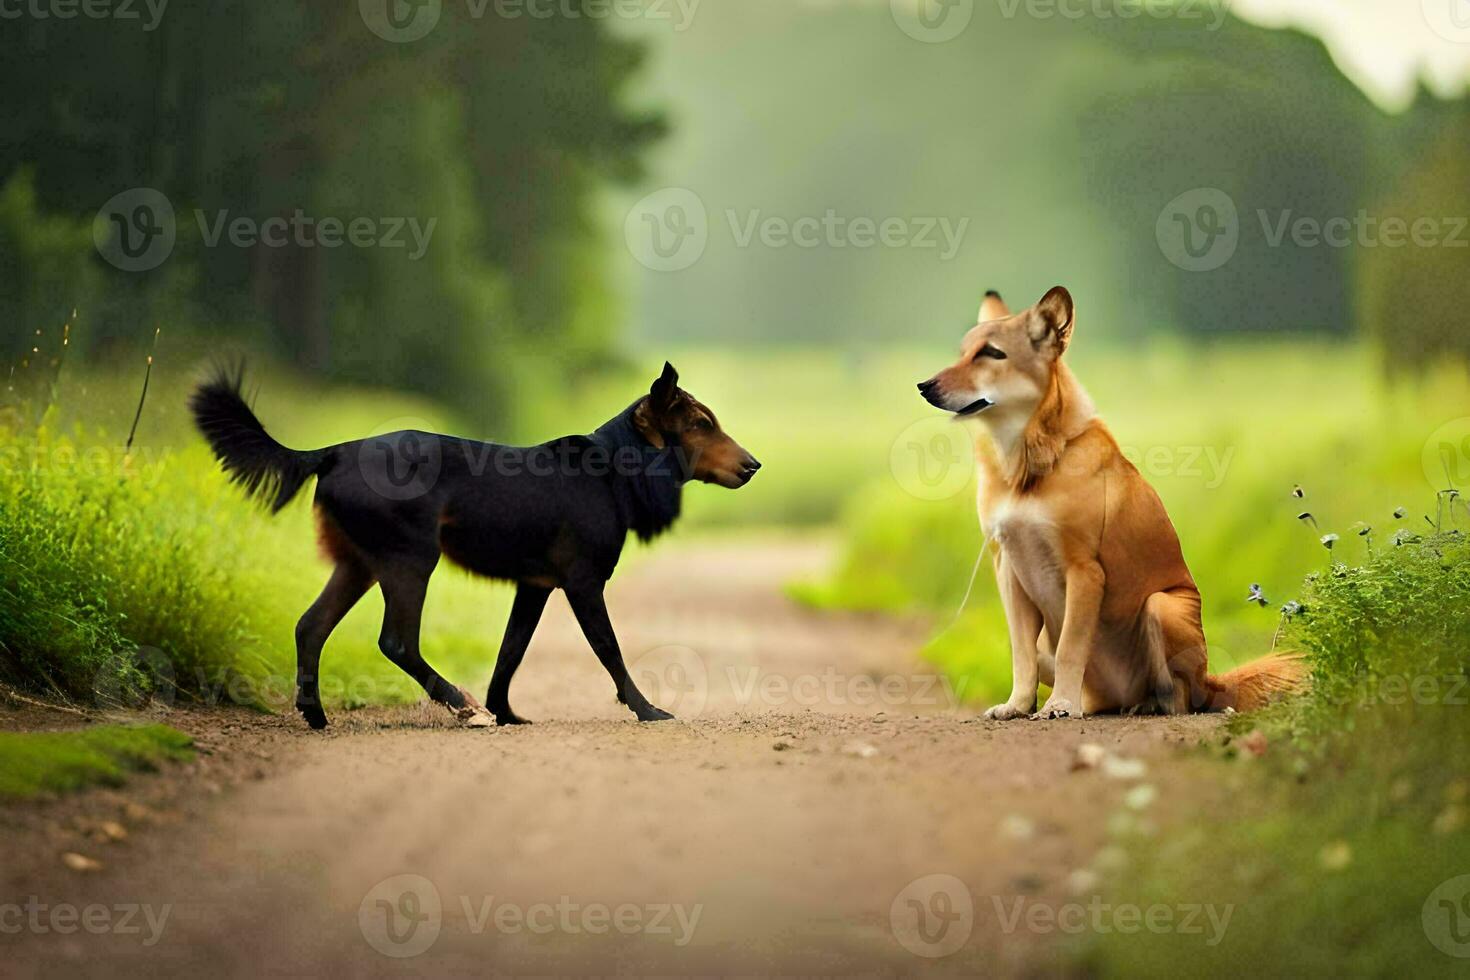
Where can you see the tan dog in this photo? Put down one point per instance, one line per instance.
(1100, 604)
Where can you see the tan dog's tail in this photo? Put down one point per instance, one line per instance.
(1259, 683)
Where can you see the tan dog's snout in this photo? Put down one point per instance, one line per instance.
(931, 391)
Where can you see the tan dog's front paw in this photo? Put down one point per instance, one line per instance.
(1057, 708)
(1007, 712)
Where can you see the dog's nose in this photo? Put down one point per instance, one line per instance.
(927, 386)
(752, 464)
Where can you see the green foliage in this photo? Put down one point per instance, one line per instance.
(1400, 619)
(1413, 299)
(92, 568)
(1332, 844)
(36, 763)
(500, 131)
(46, 263)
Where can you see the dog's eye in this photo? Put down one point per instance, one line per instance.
(994, 353)
(704, 425)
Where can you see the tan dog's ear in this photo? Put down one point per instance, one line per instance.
(992, 307)
(1053, 320)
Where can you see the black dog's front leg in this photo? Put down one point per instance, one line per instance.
(524, 615)
(591, 612)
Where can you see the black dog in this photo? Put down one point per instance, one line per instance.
(553, 516)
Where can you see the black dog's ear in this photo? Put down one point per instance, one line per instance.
(662, 394)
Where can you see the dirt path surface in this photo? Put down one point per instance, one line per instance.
(820, 808)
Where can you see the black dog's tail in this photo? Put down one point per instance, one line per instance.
(267, 470)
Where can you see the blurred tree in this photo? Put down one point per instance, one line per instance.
(1414, 297)
(498, 131)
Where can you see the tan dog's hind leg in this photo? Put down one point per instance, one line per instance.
(1176, 617)
(1024, 621)
(1079, 634)
(1160, 615)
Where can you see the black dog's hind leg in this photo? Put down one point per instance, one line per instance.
(349, 583)
(524, 615)
(403, 601)
(591, 612)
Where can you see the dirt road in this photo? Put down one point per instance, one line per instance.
(821, 807)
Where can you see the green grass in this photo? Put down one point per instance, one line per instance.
(33, 764)
(1333, 843)
(1224, 434)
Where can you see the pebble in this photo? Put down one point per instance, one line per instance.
(1018, 827)
(80, 862)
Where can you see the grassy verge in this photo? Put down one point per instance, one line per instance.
(1345, 847)
(33, 764)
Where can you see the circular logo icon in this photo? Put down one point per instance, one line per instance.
(1446, 917)
(400, 21)
(932, 459)
(1446, 456)
(933, 916)
(674, 678)
(135, 230)
(1199, 230)
(134, 679)
(1450, 19)
(668, 230)
(402, 461)
(401, 916)
(932, 21)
